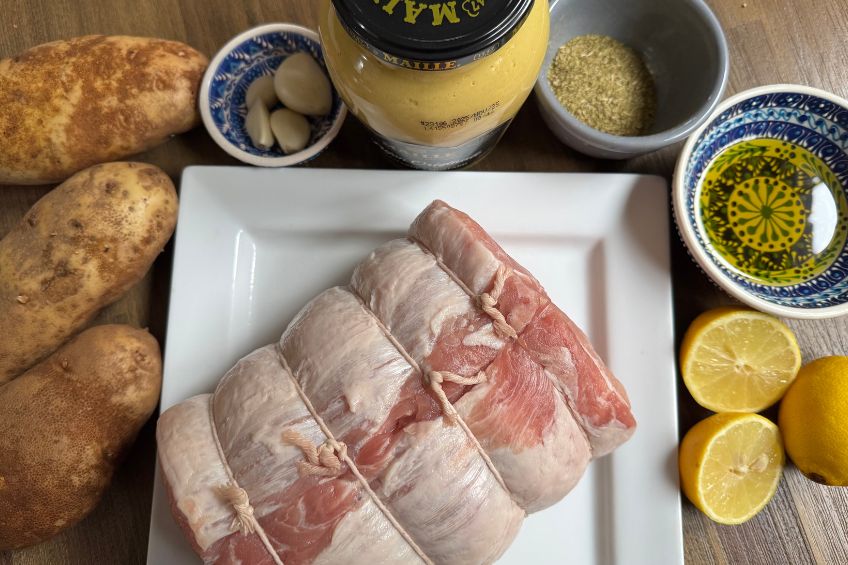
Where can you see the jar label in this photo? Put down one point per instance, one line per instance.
(417, 65)
(440, 158)
(432, 36)
(460, 121)
(437, 14)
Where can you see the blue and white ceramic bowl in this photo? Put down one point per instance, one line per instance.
(795, 116)
(248, 56)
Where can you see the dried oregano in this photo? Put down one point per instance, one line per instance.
(604, 84)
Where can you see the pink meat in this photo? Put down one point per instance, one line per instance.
(414, 405)
(450, 333)
(595, 396)
(231, 550)
(415, 487)
(389, 417)
(519, 408)
(309, 512)
(253, 405)
(524, 425)
(189, 460)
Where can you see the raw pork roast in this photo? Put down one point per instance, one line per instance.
(417, 415)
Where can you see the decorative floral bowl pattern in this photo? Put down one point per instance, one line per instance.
(248, 56)
(794, 117)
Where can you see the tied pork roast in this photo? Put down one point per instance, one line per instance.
(417, 415)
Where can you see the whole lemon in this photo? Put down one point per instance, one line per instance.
(814, 421)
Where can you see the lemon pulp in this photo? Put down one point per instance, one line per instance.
(730, 465)
(738, 360)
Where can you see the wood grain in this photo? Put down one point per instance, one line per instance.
(795, 41)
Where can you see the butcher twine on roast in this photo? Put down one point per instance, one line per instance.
(417, 415)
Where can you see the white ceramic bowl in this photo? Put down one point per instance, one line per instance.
(246, 57)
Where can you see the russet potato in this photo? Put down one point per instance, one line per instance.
(70, 104)
(78, 249)
(65, 425)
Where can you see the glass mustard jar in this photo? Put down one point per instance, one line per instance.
(437, 83)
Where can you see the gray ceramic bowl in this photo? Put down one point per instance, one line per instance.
(683, 46)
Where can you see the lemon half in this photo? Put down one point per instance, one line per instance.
(738, 360)
(730, 465)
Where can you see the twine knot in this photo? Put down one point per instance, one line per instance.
(324, 460)
(434, 378)
(238, 499)
(488, 302)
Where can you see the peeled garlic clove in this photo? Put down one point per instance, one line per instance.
(261, 89)
(302, 86)
(258, 126)
(291, 130)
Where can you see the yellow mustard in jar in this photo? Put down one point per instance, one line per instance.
(437, 83)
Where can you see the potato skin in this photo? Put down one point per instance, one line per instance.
(66, 424)
(78, 249)
(67, 105)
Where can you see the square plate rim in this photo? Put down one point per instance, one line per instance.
(192, 188)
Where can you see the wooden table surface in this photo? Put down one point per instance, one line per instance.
(771, 41)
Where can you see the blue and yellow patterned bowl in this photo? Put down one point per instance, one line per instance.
(248, 56)
(760, 200)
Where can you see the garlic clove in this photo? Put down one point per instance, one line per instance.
(258, 126)
(261, 89)
(302, 86)
(291, 130)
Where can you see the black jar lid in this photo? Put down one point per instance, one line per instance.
(432, 36)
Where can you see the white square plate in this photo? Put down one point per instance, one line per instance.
(254, 245)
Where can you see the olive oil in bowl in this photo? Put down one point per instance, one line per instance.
(773, 211)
